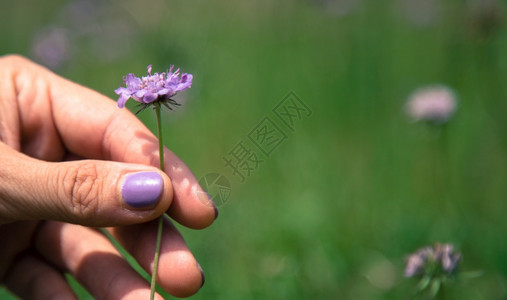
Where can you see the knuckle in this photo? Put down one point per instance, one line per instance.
(81, 186)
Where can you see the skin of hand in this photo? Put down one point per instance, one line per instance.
(66, 153)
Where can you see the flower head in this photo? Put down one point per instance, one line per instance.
(433, 261)
(416, 262)
(434, 104)
(435, 267)
(153, 87)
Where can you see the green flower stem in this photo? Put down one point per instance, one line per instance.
(161, 218)
(160, 138)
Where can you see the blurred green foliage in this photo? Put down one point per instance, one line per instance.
(333, 212)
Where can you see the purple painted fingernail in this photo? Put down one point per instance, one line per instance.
(142, 190)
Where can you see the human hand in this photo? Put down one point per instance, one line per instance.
(69, 160)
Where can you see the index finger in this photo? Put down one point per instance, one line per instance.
(91, 125)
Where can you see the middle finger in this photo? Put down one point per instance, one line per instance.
(178, 271)
(92, 260)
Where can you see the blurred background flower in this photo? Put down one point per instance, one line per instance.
(52, 46)
(436, 261)
(100, 31)
(434, 104)
(436, 267)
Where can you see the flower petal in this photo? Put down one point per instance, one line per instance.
(185, 83)
(140, 93)
(172, 79)
(131, 81)
(122, 100)
(163, 91)
(121, 91)
(149, 97)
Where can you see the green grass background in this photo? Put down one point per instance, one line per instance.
(333, 212)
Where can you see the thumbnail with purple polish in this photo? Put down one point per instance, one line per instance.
(142, 190)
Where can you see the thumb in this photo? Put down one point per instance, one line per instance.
(86, 192)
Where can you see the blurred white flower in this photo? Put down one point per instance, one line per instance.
(435, 104)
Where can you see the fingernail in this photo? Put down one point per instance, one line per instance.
(142, 190)
(203, 278)
(206, 199)
(212, 202)
(215, 208)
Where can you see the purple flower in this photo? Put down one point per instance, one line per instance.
(416, 262)
(428, 259)
(52, 47)
(151, 88)
(449, 260)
